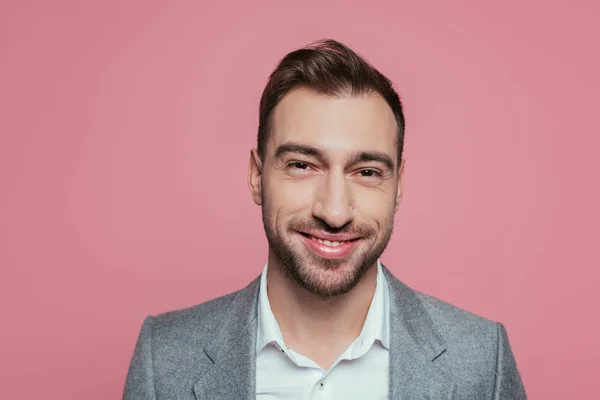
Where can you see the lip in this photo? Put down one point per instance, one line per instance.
(331, 252)
(332, 237)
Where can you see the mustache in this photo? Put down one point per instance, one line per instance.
(353, 228)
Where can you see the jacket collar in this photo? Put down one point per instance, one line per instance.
(233, 351)
(414, 344)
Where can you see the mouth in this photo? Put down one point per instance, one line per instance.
(329, 248)
(332, 243)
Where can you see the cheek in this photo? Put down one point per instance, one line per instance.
(290, 197)
(375, 206)
(378, 201)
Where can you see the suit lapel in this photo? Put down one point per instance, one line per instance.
(414, 344)
(233, 352)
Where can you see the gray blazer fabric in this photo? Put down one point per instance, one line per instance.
(437, 351)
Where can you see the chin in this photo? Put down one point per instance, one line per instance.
(329, 280)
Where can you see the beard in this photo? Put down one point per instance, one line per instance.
(314, 273)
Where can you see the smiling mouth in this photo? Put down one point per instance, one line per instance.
(326, 242)
(331, 249)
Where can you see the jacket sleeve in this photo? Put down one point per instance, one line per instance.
(508, 384)
(139, 384)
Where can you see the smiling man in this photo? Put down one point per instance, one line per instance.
(325, 319)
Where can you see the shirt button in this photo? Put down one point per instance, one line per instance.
(321, 386)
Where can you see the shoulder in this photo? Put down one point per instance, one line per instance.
(467, 339)
(201, 318)
(173, 345)
(455, 322)
(471, 341)
(452, 323)
(202, 321)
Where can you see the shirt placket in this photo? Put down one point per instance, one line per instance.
(322, 390)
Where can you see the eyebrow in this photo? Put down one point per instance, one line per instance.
(365, 156)
(300, 149)
(357, 157)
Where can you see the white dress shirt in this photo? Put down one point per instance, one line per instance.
(361, 371)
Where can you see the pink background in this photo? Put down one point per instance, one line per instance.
(125, 130)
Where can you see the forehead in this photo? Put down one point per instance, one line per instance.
(338, 125)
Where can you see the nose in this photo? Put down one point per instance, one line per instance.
(334, 200)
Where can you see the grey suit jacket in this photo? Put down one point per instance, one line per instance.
(437, 351)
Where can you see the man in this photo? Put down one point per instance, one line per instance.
(325, 320)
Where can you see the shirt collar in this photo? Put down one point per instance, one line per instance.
(268, 328)
(376, 326)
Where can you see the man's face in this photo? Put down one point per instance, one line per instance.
(329, 187)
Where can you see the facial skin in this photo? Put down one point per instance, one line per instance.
(330, 173)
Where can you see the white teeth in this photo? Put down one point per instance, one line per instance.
(327, 242)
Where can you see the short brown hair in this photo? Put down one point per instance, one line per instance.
(330, 68)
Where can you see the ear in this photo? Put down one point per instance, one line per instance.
(255, 177)
(400, 185)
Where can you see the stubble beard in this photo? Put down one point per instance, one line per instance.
(302, 270)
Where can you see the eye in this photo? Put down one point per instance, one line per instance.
(369, 173)
(299, 165)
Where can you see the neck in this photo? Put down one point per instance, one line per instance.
(319, 328)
